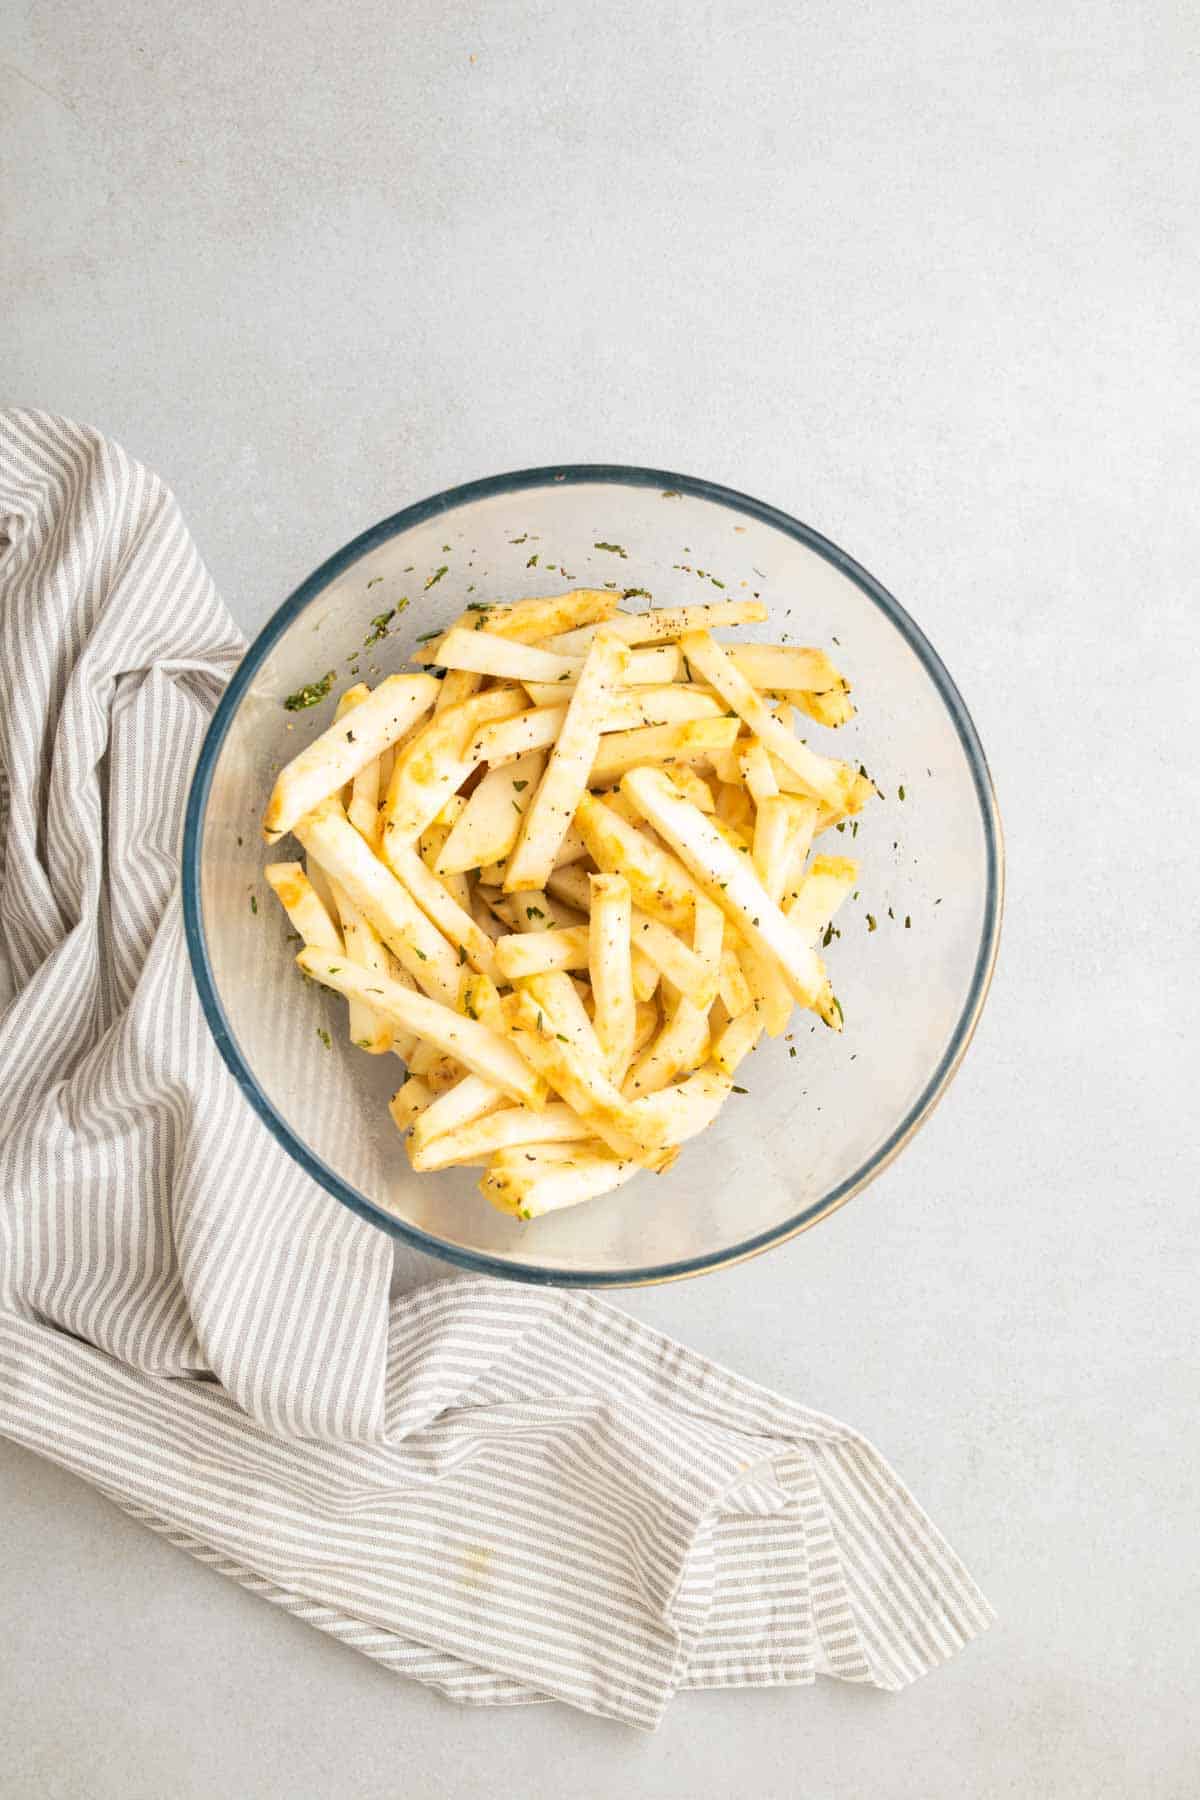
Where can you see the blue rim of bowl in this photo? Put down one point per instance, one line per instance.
(582, 474)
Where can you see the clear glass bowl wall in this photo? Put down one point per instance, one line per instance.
(823, 1113)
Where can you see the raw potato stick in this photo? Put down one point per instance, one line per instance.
(565, 781)
(444, 911)
(553, 1189)
(369, 1030)
(728, 879)
(481, 1051)
(829, 781)
(660, 624)
(487, 828)
(512, 1125)
(349, 744)
(434, 764)
(610, 962)
(689, 741)
(303, 905)
(420, 947)
(580, 1080)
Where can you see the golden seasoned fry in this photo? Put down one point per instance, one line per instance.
(410, 1101)
(689, 1107)
(536, 728)
(610, 963)
(661, 624)
(579, 1078)
(540, 952)
(509, 1127)
(339, 753)
(303, 906)
(657, 880)
(565, 781)
(470, 1099)
(832, 709)
(736, 1041)
(368, 1029)
(688, 742)
(756, 771)
(550, 1189)
(692, 786)
(680, 1046)
(773, 834)
(774, 667)
(483, 653)
(438, 905)
(487, 828)
(733, 988)
(434, 764)
(654, 667)
(481, 1051)
(828, 881)
(610, 815)
(329, 836)
(727, 877)
(828, 781)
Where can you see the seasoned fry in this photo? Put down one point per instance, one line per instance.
(660, 625)
(434, 764)
(421, 949)
(727, 878)
(772, 667)
(441, 907)
(610, 964)
(654, 667)
(658, 882)
(528, 620)
(488, 825)
(828, 781)
(303, 906)
(695, 738)
(580, 1080)
(570, 881)
(481, 1051)
(541, 952)
(551, 1189)
(689, 1107)
(822, 891)
(410, 1101)
(512, 1125)
(339, 753)
(470, 1099)
(564, 783)
(368, 1029)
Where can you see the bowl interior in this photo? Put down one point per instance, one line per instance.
(822, 1113)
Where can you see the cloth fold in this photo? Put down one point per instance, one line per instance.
(511, 1494)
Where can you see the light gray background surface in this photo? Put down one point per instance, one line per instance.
(925, 276)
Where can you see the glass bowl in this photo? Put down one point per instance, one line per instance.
(823, 1113)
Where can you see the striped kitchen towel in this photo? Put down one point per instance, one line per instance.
(509, 1493)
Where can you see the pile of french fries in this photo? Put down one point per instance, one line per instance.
(569, 880)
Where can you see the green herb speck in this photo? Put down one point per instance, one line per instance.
(739, 1090)
(872, 922)
(379, 627)
(531, 562)
(325, 1038)
(615, 549)
(437, 576)
(253, 904)
(312, 695)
